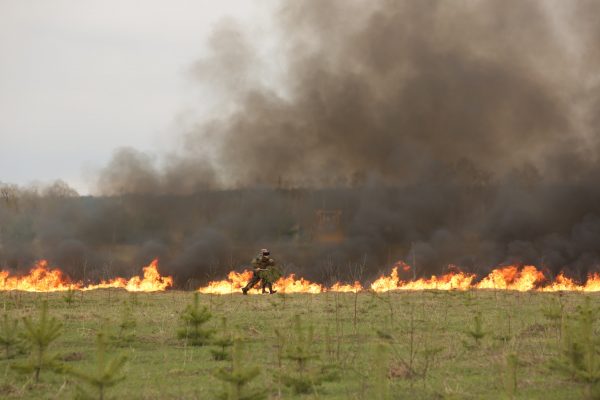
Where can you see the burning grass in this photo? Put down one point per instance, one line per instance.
(42, 278)
(527, 278)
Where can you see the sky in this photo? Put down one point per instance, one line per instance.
(81, 78)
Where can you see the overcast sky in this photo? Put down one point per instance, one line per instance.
(80, 78)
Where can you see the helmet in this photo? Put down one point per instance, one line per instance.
(265, 252)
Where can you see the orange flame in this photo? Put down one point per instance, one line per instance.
(510, 278)
(151, 282)
(237, 280)
(386, 283)
(345, 288)
(39, 279)
(450, 281)
(234, 283)
(562, 283)
(504, 278)
(593, 283)
(44, 279)
(290, 284)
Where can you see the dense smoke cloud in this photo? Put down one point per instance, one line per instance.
(443, 132)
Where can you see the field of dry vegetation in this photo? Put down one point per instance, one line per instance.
(421, 345)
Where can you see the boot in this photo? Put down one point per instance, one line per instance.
(245, 291)
(273, 291)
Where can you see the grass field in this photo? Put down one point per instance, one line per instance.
(397, 344)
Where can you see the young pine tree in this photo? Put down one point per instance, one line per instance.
(69, 297)
(223, 342)
(193, 318)
(579, 357)
(554, 312)
(300, 351)
(238, 377)
(125, 333)
(9, 334)
(106, 374)
(39, 334)
(477, 332)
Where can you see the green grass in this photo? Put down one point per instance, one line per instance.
(417, 344)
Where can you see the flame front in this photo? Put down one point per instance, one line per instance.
(237, 280)
(292, 285)
(234, 283)
(341, 287)
(151, 282)
(450, 281)
(39, 279)
(505, 278)
(511, 278)
(44, 279)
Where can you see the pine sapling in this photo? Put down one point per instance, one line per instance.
(69, 296)
(238, 377)
(429, 354)
(580, 353)
(39, 334)
(554, 313)
(106, 374)
(300, 352)
(125, 333)
(9, 334)
(193, 317)
(477, 333)
(554, 310)
(223, 342)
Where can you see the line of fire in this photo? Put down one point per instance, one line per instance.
(43, 278)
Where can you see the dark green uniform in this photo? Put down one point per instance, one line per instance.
(266, 271)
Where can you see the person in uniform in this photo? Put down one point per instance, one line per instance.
(265, 271)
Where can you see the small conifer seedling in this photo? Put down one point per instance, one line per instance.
(477, 333)
(554, 312)
(8, 334)
(193, 318)
(223, 342)
(580, 353)
(238, 377)
(39, 334)
(69, 296)
(106, 374)
(300, 350)
(125, 333)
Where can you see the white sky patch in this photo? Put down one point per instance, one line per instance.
(79, 79)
